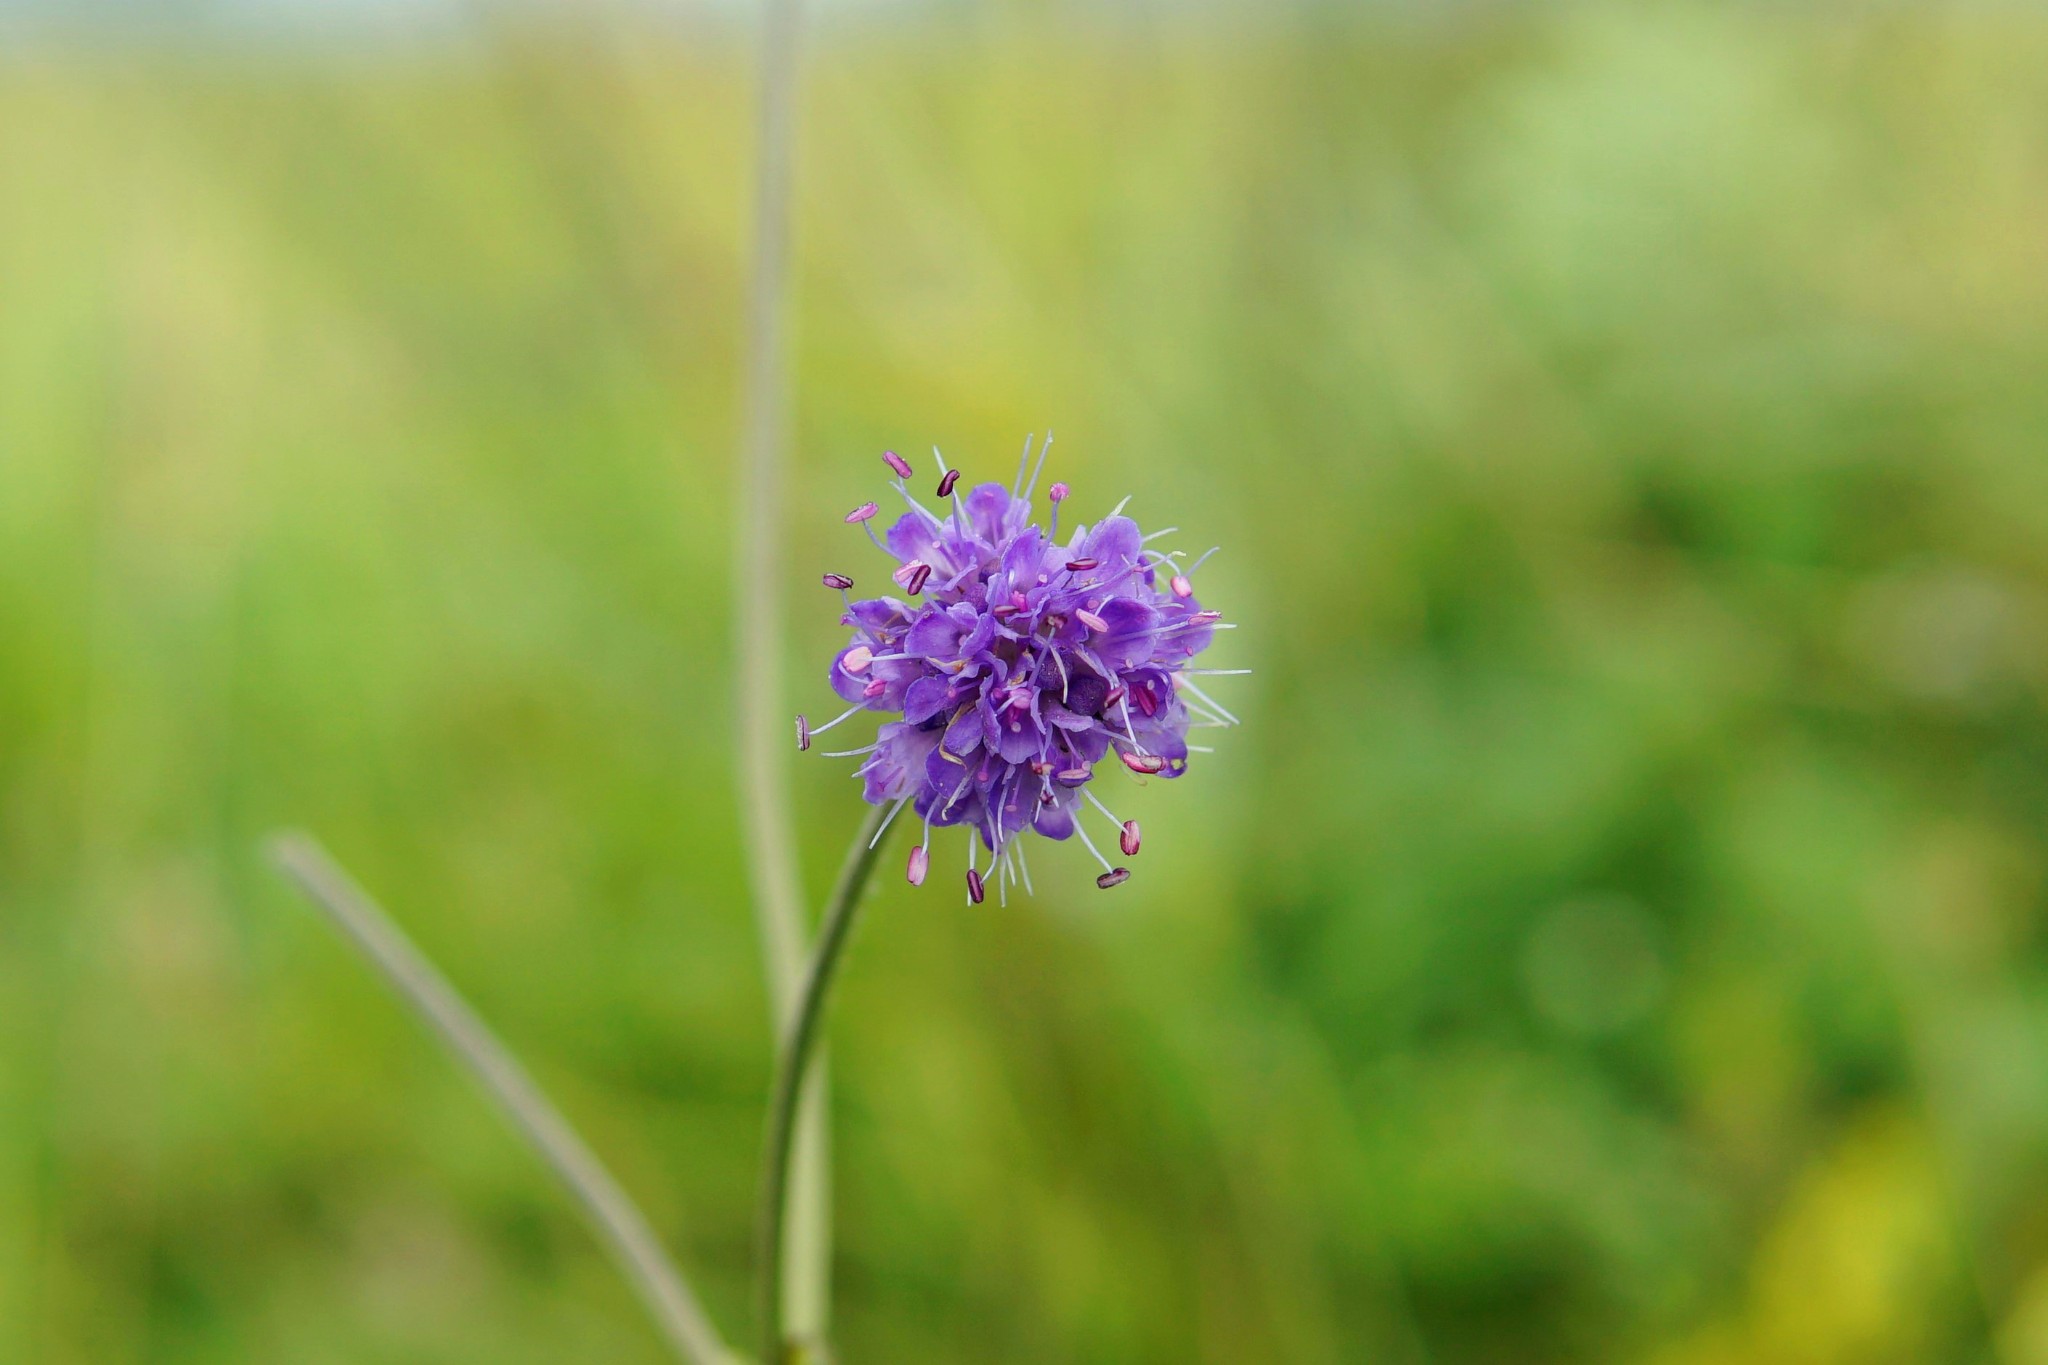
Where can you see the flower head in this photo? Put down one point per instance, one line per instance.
(1016, 668)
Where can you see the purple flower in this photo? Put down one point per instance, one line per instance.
(1016, 666)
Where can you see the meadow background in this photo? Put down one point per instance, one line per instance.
(1618, 933)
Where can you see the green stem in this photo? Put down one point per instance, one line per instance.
(793, 1070)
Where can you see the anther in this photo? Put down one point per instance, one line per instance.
(857, 659)
(1128, 840)
(951, 477)
(1072, 777)
(1020, 601)
(1058, 492)
(1144, 763)
(1147, 703)
(1116, 694)
(911, 576)
(803, 732)
(838, 580)
(920, 862)
(861, 513)
(1040, 766)
(974, 888)
(874, 689)
(1082, 565)
(1090, 619)
(1181, 587)
(897, 463)
(1206, 618)
(1116, 876)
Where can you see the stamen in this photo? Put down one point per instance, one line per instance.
(874, 689)
(857, 659)
(863, 512)
(1181, 587)
(1218, 672)
(924, 514)
(1072, 777)
(910, 577)
(1017, 484)
(1090, 619)
(808, 733)
(1126, 830)
(1205, 717)
(1118, 510)
(1024, 869)
(1089, 844)
(1123, 709)
(946, 482)
(1147, 764)
(852, 753)
(920, 863)
(1203, 697)
(975, 891)
(894, 811)
(1204, 559)
(1147, 540)
(897, 463)
(803, 733)
(1082, 565)
(838, 581)
(1116, 876)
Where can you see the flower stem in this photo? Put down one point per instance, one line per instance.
(619, 1224)
(793, 1076)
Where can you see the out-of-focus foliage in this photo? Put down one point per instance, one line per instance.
(1617, 933)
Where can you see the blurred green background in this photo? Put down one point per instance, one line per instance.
(1618, 933)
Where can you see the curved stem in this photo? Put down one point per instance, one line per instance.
(619, 1224)
(793, 1074)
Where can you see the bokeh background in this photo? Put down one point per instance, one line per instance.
(1618, 933)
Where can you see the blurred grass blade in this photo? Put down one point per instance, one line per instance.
(620, 1225)
(766, 813)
